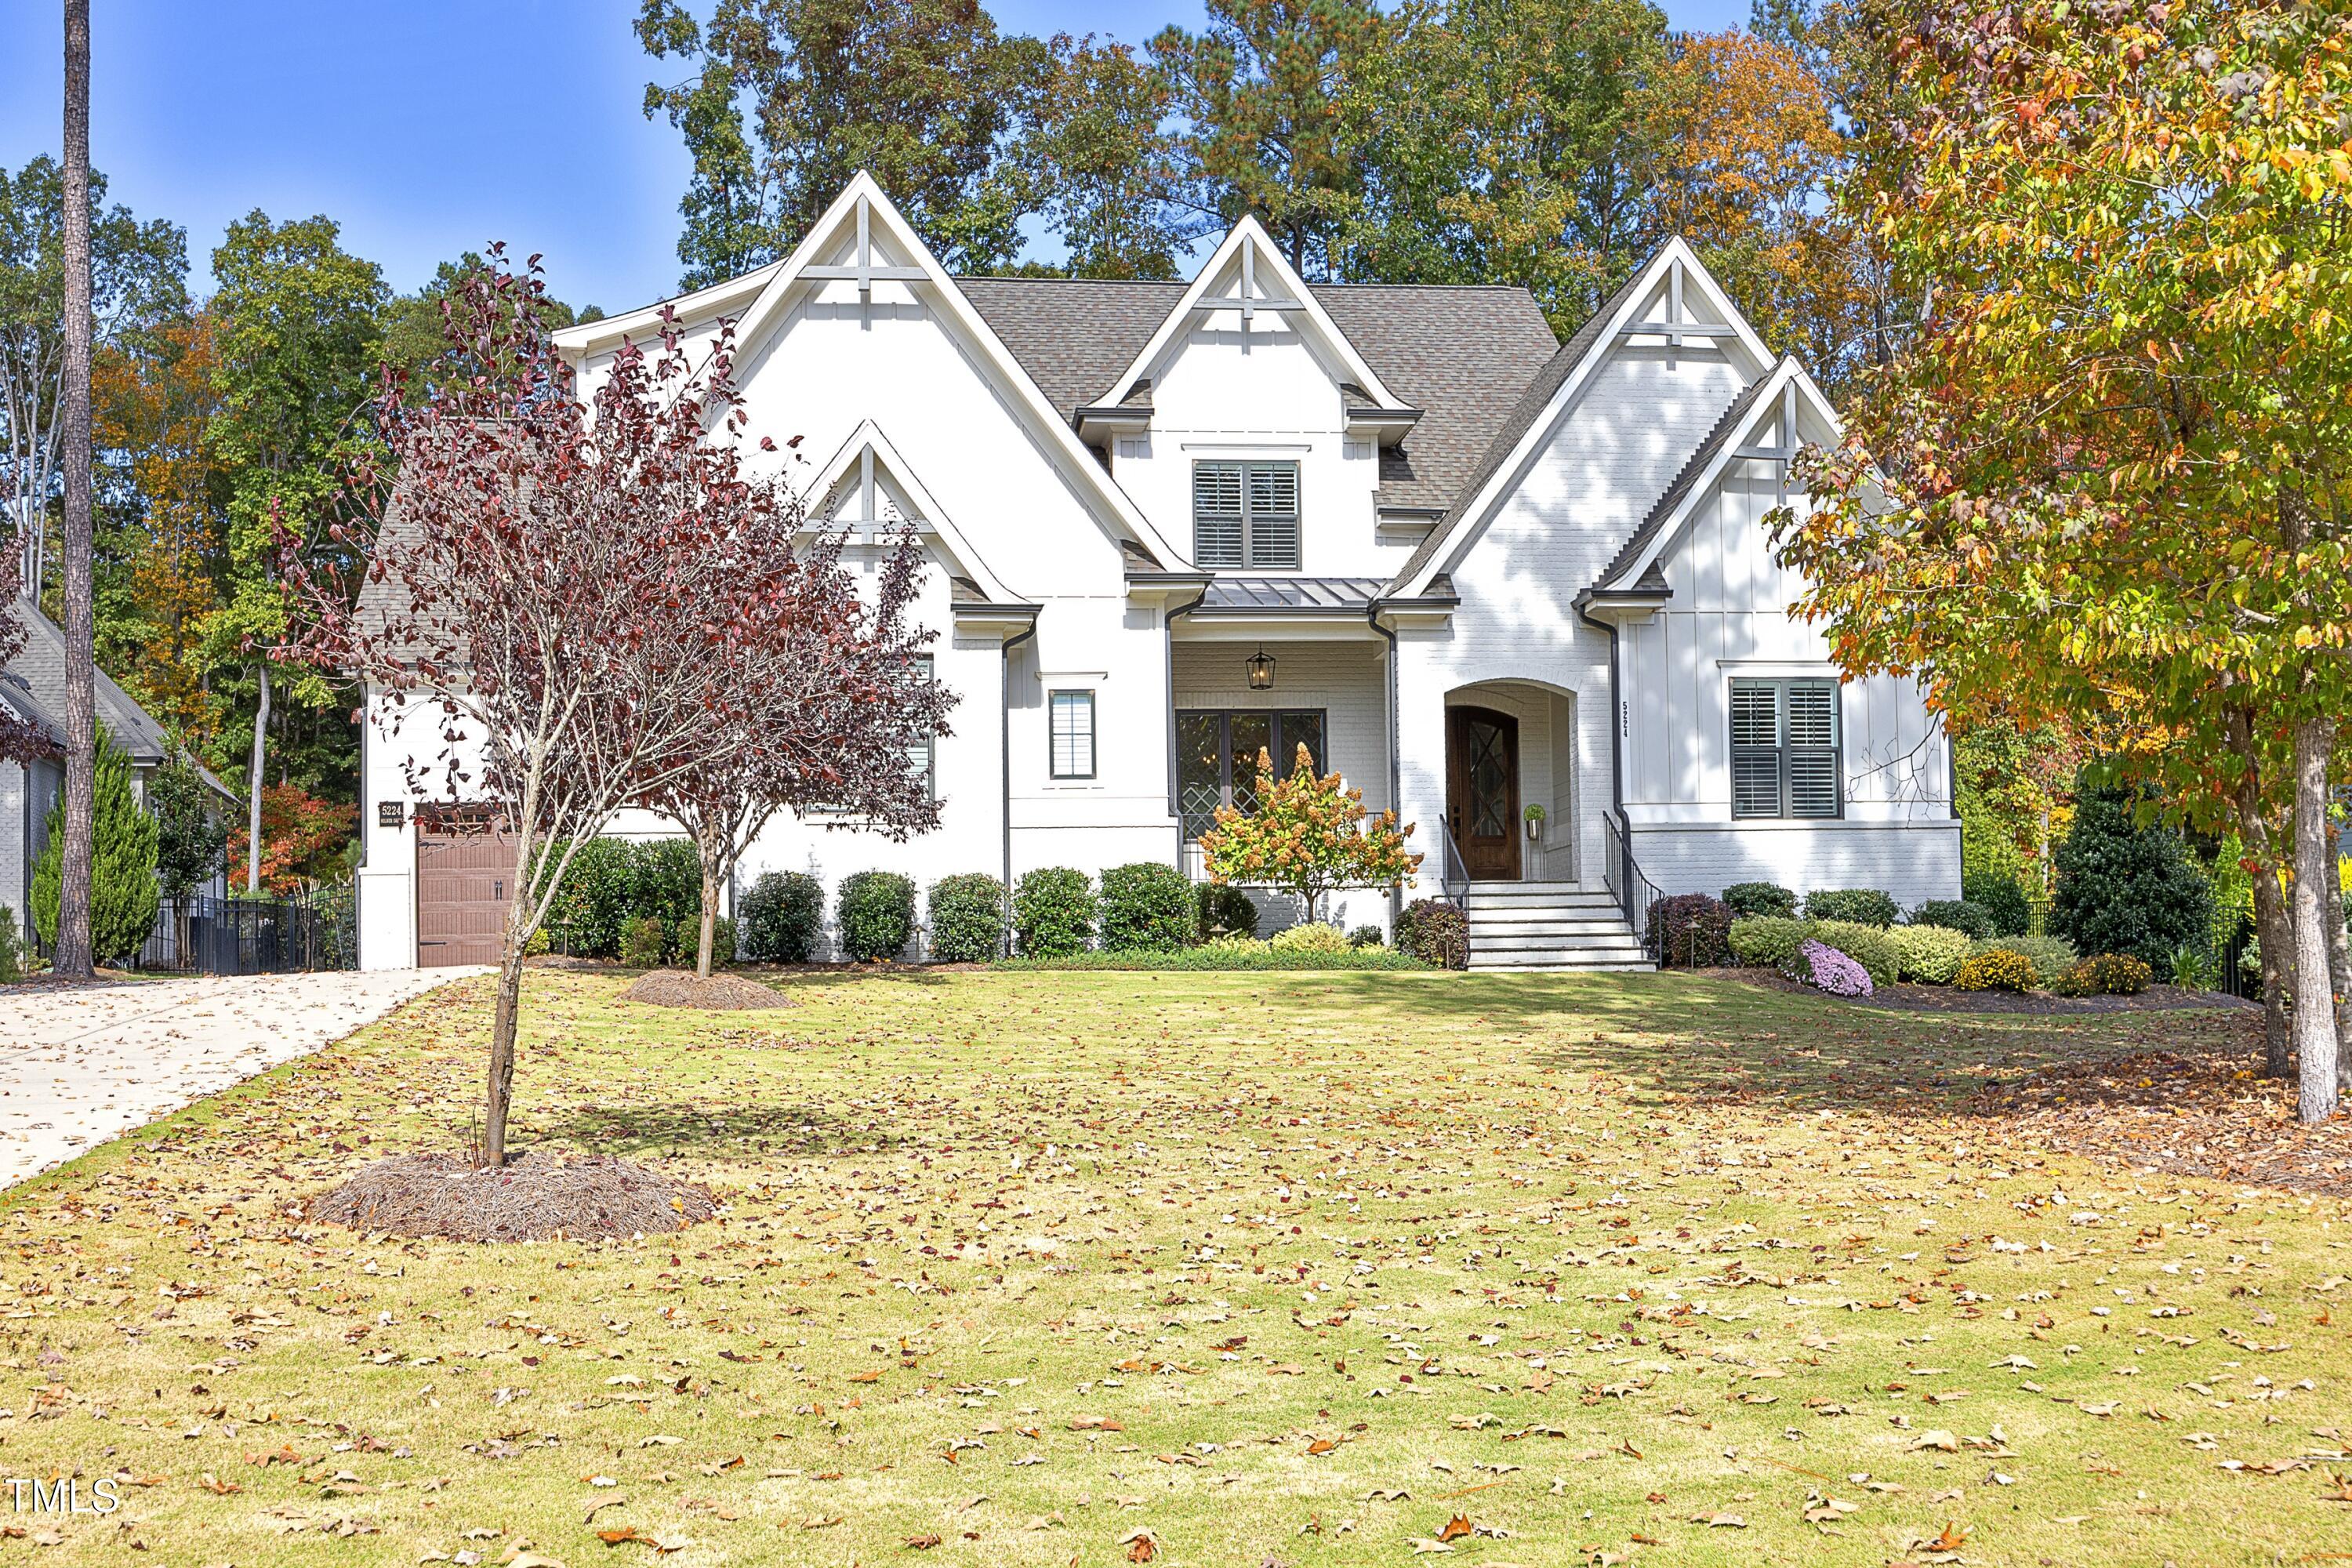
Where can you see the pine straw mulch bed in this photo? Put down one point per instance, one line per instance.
(720, 993)
(537, 1197)
(2196, 1107)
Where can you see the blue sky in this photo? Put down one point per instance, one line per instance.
(424, 127)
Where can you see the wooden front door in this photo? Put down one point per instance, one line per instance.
(465, 881)
(1482, 791)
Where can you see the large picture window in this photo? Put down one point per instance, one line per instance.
(1785, 748)
(1072, 726)
(1216, 757)
(1245, 515)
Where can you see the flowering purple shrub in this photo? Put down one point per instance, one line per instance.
(1826, 969)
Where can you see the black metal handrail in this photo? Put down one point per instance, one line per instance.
(1452, 873)
(1633, 891)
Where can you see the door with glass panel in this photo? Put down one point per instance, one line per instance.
(1482, 792)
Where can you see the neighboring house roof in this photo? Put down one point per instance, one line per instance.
(41, 667)
(18, 698)
(1350, 594)
(1458, 353)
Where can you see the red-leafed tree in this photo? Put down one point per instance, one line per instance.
(838, 718)
(577, 597)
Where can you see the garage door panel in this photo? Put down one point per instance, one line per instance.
(463, 885)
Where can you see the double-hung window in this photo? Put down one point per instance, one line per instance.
(1072, 723)
(1245, 516)
(1784, 748)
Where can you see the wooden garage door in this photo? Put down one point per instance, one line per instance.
(464, 884)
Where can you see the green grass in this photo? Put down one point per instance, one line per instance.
(1295, 1265)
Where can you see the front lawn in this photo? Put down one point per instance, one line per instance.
(1054, 1268)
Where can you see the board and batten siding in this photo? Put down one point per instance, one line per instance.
(1730, 617)
(1552, 533)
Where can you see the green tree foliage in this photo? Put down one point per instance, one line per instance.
(299, 338)
(138, 281)
(787, 98)
(2125, 883)
(1095, 161)
(1273, 95)
(122, 889)
(190, 842)
(416, 339)
(1507, 147)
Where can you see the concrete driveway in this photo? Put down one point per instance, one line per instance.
(81, 1064)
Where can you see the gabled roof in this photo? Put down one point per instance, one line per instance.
(41, 666)
(1787, 391)
(868, 457)
(1665, 277)
(1261, 280)
(1459, 353)
(880, 246)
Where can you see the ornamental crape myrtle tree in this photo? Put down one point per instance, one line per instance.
(830, 717)
(1308, 836)
(568, 594)
(2111, 476)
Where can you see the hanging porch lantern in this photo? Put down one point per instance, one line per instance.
(1261, 670)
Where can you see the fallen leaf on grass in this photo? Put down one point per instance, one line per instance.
(1456, 1528)
(1939, 1440)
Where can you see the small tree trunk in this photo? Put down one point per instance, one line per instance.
(500, 1088)
(253, 787)
(75, 856)
(2276, 938)
(2314, 1013)
(2339, 970)
(709, 922)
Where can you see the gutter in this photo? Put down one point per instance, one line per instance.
(1396, 786)
(1616, 720)
(1005, 761)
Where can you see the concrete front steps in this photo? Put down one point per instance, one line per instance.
(1549, 926)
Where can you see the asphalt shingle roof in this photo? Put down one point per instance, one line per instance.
(40, 665)
(1458, 353)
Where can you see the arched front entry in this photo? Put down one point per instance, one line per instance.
(1482, 791)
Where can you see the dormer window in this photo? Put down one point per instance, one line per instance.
(1245, 516)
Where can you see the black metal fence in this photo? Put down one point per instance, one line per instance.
(201, 934)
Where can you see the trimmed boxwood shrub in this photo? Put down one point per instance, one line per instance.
(1931, 954)
(967, 915)
(1224, 911)
(1745, 899)
(1997, 968)
(782, 915)
(1367, 936)
(1766, 942)
(1235, 953)
(2123, 888)
(1053, 912)
(876, 914)
(1956, 914)
(1860, 906)
(642, 940)
(666, 882)
(1146, 907)
(2000, 897)
(1434, 932)
(1691, 930)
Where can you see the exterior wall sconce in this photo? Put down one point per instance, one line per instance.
(1261, 670)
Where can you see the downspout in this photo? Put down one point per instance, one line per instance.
(1396, 776)
(1004, 762)
(1167, 633)
(1616, 730)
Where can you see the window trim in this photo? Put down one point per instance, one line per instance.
(1224, 718)
(1053, 761)
(1782, 750)
(1296, 517)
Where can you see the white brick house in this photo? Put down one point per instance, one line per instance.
(1487, 571)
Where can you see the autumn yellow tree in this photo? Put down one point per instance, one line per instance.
(153, 407)
(1309, 835)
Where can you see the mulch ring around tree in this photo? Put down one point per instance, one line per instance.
(720, 993)
(538, 1197)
